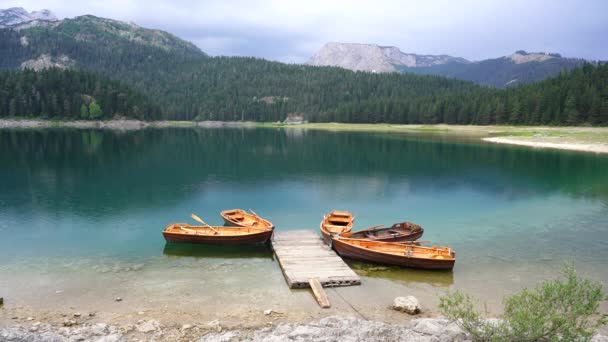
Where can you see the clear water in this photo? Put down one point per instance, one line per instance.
(85, 208)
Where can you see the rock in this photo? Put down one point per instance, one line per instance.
(267, 312)
(29, 319)
(99, 329)
(77, 314)
(1, 301)
(228, 336)
(91, 314)
(599, 338)
(118, 299)
(186, 327)
(111, 338)
(147, 326)
(215, 324)
(69, 323)
(141, 313)
(407, 304)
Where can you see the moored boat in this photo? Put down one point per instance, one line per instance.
(215, 235)
(404, 231)
(399, 254)
(336, 222)
(241, 218)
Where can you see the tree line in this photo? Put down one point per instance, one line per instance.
(174, 81)
(66, 94)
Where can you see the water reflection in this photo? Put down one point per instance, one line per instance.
(86, 169)
(261, 251)
(402, 275)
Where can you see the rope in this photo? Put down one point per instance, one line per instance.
(349, 304)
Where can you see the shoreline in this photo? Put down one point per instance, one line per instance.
(79, 327)
(578, 139)
(595, 148)
(126, 125)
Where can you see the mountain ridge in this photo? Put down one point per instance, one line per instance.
(374, 58)
(518, 68)
(16, 16)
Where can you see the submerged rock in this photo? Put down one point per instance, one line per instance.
(407, 304)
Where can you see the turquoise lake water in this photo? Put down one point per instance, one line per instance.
(88, 203)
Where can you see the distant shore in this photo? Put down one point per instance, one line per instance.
(114, 124)
(582, 139)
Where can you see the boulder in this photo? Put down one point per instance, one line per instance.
(407, 304)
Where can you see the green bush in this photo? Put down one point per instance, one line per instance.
(565, 309)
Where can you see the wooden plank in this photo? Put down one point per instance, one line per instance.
(319, 293)
(302, 255)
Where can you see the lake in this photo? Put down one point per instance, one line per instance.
(81, 212)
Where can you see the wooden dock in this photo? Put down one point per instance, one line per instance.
(303, 257)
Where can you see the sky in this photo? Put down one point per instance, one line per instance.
(291, 31)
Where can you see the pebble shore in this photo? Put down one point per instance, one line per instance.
(333, 328)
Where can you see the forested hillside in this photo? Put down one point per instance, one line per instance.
(64, 94)
(183, 83)
(575, 97)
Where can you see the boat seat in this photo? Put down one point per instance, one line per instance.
(334, 226)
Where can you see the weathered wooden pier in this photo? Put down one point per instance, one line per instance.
(308, 262)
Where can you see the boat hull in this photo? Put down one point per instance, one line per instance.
(362, 254)
(219, 240)
(182, 233)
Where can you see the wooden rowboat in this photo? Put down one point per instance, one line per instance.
(183, 232)
(336, 222)
(404, 231)
(399, 254)
(241, 218)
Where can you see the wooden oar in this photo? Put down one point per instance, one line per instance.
(412, 242)
(389, 242)
(203, 222)
(256, 215)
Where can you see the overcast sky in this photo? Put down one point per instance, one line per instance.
(291, 31)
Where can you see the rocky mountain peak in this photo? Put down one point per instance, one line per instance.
(375, 58)
(17, 15)
(521, 56)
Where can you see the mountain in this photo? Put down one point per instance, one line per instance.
(375, 58)
(152, 62)
(16, 16)
(177, 81)
(519, 68)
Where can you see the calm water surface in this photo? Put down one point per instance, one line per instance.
(84, 209)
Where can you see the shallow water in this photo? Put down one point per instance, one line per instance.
(81, 211)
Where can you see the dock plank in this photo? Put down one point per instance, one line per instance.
(303, 256)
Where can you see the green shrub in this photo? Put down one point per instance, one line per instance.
(564, 309)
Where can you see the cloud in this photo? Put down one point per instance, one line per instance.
(291, 31)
